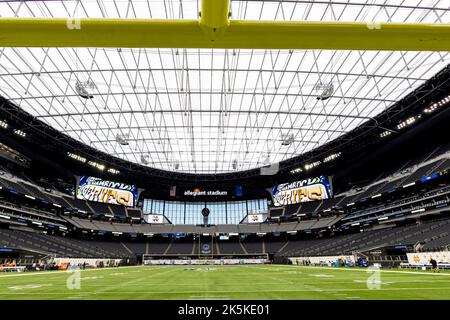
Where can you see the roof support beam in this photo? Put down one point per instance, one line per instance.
(142, 33)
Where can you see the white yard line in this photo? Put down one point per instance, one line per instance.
(226, 292)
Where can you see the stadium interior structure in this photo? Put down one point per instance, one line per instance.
(229, 132)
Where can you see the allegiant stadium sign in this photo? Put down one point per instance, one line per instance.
(198, 192)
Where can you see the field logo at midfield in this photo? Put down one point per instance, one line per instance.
(374, 280)
(74, 280)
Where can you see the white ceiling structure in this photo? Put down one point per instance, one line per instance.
(210, 110)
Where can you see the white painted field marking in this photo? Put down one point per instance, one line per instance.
(29, 286)
(91, 278)
(281, 279)
(322, 275)
(387, 282)
(207, 297)
(227, 291)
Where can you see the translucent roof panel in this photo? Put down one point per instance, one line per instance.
(211, 111)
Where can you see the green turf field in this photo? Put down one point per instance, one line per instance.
(226, 282)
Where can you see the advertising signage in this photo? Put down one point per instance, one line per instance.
(311, 189)
(105, 191)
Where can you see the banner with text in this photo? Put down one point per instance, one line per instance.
(311, 189)
(98, 190)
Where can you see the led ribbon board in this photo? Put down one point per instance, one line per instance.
(98, 190)
(311, 189)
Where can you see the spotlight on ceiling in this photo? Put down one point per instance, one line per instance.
(235, 165)
(82, 89)
(287, 139)
(326, 90)
(144, 159)
(122, 140)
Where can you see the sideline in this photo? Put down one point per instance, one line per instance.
(35, 273)
(381, 270)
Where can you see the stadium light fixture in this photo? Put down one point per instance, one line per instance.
(384, 134)
(20, 133)
(113, 171)
(437, 105)
(3, 124)
(235, 164)
(309, 166)
(144, 159)
(81, 89)
(296, 170)
(332, 157)
(76, 157)
(99, 166)
(326, 90)
(122, 139)
(287, 139)
(406, 123)
(409, 185)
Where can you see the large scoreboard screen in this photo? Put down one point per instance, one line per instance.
(311, 189)
(105, 191)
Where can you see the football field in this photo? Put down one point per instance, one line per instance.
(226, 282)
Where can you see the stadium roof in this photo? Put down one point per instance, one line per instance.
(214, 110)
